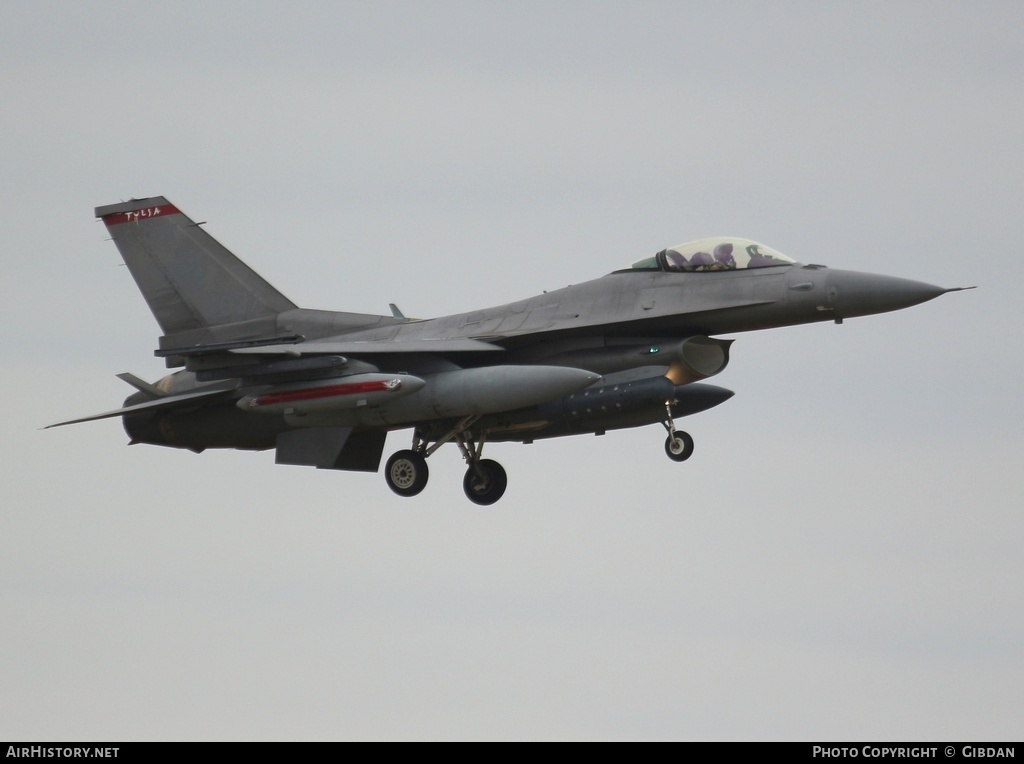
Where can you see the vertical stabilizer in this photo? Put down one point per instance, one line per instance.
(188, 279)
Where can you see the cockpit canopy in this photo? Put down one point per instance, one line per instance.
(718, 253)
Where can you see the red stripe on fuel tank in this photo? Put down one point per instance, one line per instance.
(136, 216)
(331, 391)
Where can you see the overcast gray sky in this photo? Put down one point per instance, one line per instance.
(840, 559)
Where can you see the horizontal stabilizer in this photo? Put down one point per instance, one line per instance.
(384, 346)
(168, 401)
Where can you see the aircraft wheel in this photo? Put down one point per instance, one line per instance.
(485, 482)
(679, 446)
(406, 472)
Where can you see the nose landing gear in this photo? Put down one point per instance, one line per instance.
(679, 444)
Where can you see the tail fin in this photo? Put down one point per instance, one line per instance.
(188, 279)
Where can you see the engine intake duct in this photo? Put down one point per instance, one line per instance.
(697, 358)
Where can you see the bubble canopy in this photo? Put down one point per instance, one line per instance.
(718, 253)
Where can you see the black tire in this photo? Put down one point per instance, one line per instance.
(406, 472)
(485, 482)
(679, 446)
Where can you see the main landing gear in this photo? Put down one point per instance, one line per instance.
(406, 472)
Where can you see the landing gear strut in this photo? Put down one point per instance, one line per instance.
(679, 444)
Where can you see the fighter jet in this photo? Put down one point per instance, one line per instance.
(323, 388)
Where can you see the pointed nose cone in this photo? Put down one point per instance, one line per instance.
(861, 294)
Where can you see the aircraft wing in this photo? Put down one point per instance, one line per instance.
(167, 401)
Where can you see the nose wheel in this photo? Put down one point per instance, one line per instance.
(679, 446)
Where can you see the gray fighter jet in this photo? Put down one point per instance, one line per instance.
(323, 388)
